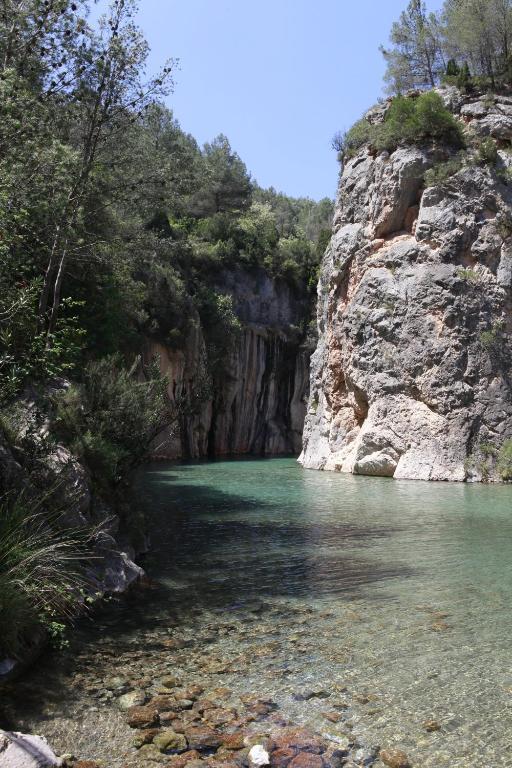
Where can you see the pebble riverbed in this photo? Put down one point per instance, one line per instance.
(331, 632)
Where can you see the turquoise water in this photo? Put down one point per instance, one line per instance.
(408, 585)
(390, 599)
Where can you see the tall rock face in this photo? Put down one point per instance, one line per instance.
(259, 404)
(411, 377)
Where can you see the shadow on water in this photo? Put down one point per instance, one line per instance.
(216, 550)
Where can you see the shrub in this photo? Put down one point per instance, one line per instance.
(452, 68)
(467, 274)
(505, 461)
(488, 338)
(443, 171)
(25, 354)
(504, 224)
(488, 152)
(407, 121)
(491, 339)
(221, 327)
(458, 76)
(434, 120)
(483, 83)
(110, 419)
(40, 581)
(360, 134)
(505, 175)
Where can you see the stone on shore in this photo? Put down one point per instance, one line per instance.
(258, 756)
(19, 750)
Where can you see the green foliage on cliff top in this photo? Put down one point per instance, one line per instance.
(408, 120)
(465, 43)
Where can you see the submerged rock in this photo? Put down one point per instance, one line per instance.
(299, 739)
(431, 726)
(131, 699)
(180, 761)
(282, 757)
(142, 717)
(307, 760)
(170, 741)
(394, 758)
(145, 736)
(202, 737)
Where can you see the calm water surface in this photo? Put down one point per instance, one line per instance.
(395, 596)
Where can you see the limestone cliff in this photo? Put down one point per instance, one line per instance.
(259, 405)
(411, 376)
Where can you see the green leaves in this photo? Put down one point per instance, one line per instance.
(25, 354)
(470, 35)
(40, 578)
(408, 120)
(416, 58)
(110, 419)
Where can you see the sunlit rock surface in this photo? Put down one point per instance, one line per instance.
(410, 378)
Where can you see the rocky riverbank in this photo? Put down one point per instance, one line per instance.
(164, 697)
(176, 725)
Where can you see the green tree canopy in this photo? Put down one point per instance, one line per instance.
(466, 35)
(415, 58)
(226, 184)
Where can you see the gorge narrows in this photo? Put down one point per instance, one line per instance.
(255, 448)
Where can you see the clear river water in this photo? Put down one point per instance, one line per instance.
(308, 587)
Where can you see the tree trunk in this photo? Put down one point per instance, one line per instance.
(56, 296)
(45, 292)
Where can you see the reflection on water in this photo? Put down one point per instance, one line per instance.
(415, 578)
(396, 594)
(254, 528)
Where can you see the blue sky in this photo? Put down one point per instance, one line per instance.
(278, 77)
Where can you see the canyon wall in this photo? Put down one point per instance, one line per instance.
(411, 377)
(258, 404)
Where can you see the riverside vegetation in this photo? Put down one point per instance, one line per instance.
(115, 227)
(105, 243)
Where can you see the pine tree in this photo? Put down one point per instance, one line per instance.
(415, 60)
(227, 185)
(452, 68)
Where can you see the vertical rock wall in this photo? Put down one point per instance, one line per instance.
(411, 377)
(259, 406)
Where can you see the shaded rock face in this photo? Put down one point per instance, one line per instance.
(411, 376)
(259, 405)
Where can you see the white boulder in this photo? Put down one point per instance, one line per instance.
(19, 750)
(258, 756)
